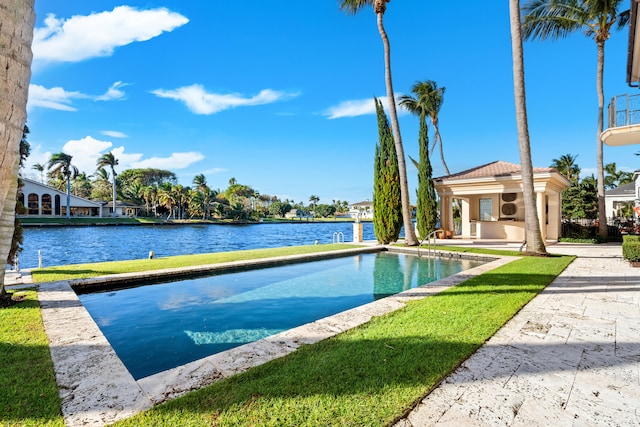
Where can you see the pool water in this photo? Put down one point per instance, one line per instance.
(160, 326)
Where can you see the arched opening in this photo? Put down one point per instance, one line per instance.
(33, 204)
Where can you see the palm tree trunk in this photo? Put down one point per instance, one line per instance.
(113, 215)
(16, 33)
(602, 213)
(409, 233)
(532, 224)
(68, 197)
(439, 140)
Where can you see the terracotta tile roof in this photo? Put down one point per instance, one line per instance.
(493, 169)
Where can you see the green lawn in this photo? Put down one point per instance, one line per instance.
(28, 391)
(368, 376)
(80, 271)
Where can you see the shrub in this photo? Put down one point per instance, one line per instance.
(631, 248)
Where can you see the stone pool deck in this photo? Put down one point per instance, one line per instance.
(570, 357)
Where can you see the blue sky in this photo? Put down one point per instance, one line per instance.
(278, 95)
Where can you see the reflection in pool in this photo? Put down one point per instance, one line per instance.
(160, 326)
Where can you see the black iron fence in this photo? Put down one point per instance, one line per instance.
(586, 229)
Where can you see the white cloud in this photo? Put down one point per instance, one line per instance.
(357, 107)
(113, 93)
(214, 171)
(114, 134)
(85, 152)
(125, 160)
(173, 162)
(199, 101)
(55, 98)
(83, 37)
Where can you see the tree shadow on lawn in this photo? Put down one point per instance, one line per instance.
(364, 372)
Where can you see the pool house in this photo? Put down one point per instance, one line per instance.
(492, 203)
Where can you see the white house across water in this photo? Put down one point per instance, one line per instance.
(42, 200)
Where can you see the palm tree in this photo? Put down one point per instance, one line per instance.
(615, 177)
(40, 168)
(379, 8)
(149, 194)
(16, 33)
(533, 236)
(167, 198)
(200, 181)
(110, 160)
(567, 166)
(82, 186)
(428, 100)
(314, 200)
(101, 185)
(552, 19)
(60, 163)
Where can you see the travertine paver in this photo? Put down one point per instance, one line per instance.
(94, 385)
(570, 357)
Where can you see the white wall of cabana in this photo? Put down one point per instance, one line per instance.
(492, 203)
(44, 201)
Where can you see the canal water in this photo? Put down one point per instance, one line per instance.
(79, 245)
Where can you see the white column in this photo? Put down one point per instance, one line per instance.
(445, 212)
(466, 221)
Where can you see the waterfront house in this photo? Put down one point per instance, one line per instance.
(44, 201)
(362, 210)
(123, 209)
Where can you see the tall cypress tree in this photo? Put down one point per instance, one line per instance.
(427, 207)
(387, 203)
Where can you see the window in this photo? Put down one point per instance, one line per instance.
(485, 209)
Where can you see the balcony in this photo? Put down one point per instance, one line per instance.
(624, 121)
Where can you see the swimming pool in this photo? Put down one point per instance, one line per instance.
(157, 327)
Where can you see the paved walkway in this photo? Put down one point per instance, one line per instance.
(570, 357)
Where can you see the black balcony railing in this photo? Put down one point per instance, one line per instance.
(624, 110)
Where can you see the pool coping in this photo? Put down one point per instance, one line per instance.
(96, 388)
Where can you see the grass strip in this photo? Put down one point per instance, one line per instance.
(472, 250)
(81, 271)
(28, 391)
(485, 251)
(371, 375)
